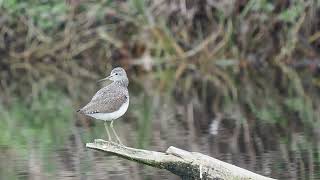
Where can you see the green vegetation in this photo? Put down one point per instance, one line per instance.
(39, 122)
(41, 125)
(258, 56)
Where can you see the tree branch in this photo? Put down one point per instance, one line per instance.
(187, 165)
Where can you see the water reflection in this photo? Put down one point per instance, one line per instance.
(53, 148)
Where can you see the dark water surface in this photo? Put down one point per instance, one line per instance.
(54, 148)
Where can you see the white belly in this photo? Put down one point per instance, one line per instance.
(113, 115)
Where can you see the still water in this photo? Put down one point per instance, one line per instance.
(52, 146)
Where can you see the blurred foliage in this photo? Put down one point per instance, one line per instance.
(258, 57)
(144, 113)
(47, 15)
(252, 48)
(38, 122)
(35, 128)
(261, 55)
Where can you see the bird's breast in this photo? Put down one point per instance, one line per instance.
(112, 115)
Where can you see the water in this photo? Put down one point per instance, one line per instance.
(54, 148)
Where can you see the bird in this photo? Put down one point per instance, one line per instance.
(110, 102)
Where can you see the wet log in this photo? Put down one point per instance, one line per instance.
(187, 165)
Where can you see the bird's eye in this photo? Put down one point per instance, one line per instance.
(116, 73)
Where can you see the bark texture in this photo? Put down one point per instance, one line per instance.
(187, 165)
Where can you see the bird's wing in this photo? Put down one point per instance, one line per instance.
(102, 93)
(110, 102)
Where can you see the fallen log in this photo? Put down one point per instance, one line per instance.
(187, 165)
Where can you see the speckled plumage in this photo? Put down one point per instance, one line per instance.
(109, 99)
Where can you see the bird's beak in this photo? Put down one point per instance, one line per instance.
(107, 78)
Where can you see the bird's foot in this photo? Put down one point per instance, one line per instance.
(100, 141)
(104, 141)
(120, 143)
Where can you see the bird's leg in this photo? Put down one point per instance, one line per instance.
(114, 132)
(106, 126)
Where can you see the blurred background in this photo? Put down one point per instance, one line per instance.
(234, 79)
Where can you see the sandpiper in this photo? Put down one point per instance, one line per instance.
(110, 102)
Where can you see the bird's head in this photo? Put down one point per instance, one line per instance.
(117, 74)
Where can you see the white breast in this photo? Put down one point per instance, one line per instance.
(113, 115)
